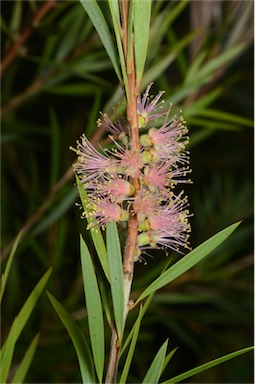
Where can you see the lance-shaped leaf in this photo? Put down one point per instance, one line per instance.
(132, 347)
(189, 261)
(94, 310)
(204, 367)
(5, 275)
(96, 16)
(116, 275)
(95, 230)
(142, 14)
(79, 342)
(21, 372)
(115, 13)
(154, 372)
(18, 325)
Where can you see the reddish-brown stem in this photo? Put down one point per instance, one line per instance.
(111, 373)
(128, 264)
(130, 246)
(11, 54)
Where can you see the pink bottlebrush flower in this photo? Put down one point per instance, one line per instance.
(163, 177)
(130, 161)
(145, 203)
(147, 107)
(167, 226)
(169, 133)
(91, 164)
(116, 188)
(167, 142)
(103, 210)
(170, 141)
(157, 177)
(118, 128)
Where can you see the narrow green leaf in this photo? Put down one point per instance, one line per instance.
(97, 18)
(94, 309)
(104, 290)
(221, 115)
(189, 261)
(203, 102)
(160, 66)
(71, 26)
(94, 231)
(21, 372)
(167, 359)
(116, 275)
(212, 124)
(8, 265)
(142, 14)
(220, 60)
(143, 310)
(154, 372)
(210, 364)
(132, 347)
(194, 68)
(115, 13)
(18, 325)
(79, 342)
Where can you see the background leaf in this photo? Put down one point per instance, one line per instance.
(18, 325)
(142, 12)
(116, 275)
(131, 350)
(188, 261)
(154, 372)
(95, 231)
(97, 18)
(94, 309)
(21, 372)
(5, 275)
(210, 364)
(79, 342)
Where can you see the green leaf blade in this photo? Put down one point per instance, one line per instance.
(94, 231)
(210, 364)
(116, 275)
(8, 265)
(95, 14)
(142, 14)
(136, 328)
(79, 342)
(154, 372)
(94, 310)
(18, 325)
(188, 261)
(26, 362)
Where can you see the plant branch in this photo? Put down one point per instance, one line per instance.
(130, 247)
(13, 51)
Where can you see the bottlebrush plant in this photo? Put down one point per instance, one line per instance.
(135, 185)
(133, 182)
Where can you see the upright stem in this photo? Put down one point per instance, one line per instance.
(130, 247)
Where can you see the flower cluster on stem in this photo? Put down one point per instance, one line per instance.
(158, 165)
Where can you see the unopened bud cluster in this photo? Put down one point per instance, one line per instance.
(159, 165)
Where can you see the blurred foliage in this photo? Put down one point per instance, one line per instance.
(56, 77)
